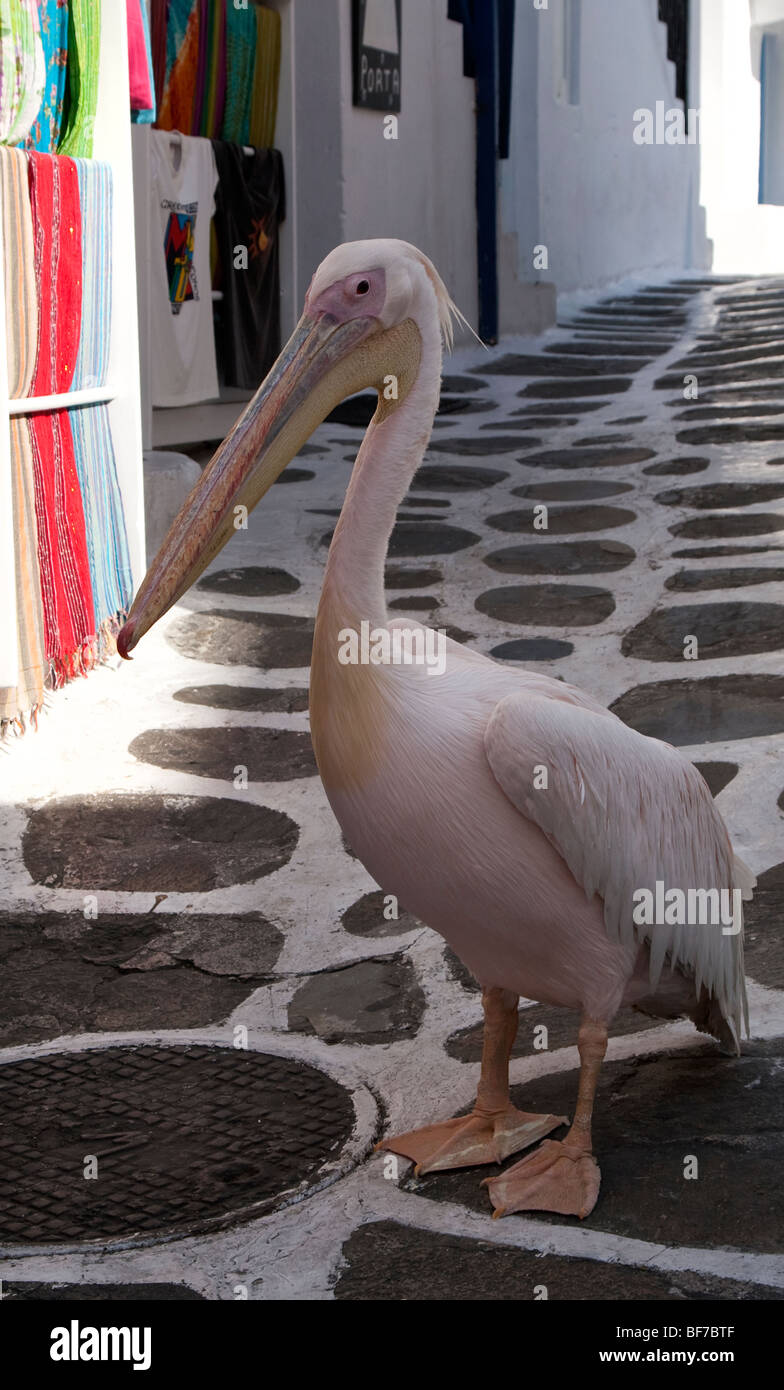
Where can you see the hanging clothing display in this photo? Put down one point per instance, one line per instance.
(222, 69)
(183, 178)
(141, 80)
(81, 96)
(65, 572)
(66, 587)
(250, 205)
(22, 68)
(45, 131)
(26, 695)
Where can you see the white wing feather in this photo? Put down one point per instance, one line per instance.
(624, 811)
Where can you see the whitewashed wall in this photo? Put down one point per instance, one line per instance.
(344, 180)
(421, 186)
(747, 236)
(606, 206)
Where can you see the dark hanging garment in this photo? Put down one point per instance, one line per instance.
(249, 207)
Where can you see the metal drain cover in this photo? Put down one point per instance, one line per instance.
(184, 1137)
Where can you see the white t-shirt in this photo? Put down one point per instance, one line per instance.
(183, 177)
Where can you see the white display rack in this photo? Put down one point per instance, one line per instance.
(112, 144)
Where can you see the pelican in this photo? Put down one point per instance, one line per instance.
(509, 811)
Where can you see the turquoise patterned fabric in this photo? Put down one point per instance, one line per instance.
(240, 64)
(45, 132)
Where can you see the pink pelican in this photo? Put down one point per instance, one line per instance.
(437, 778)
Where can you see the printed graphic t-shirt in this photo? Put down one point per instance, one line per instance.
(183, 178)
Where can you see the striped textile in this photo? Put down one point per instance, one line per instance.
(57, 232)
(95, 200)
(21, 305)
(66, 587)
(107, 542)
(241, 30)
(63, 559)
(215, 88)
(33, 666)
(84, 51)
(266, 79)
(107, 537)
(22, 68)
(45, 130)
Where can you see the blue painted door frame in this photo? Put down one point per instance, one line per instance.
(488, 45)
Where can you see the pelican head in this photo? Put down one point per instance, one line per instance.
(369, 308)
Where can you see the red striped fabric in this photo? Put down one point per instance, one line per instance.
(66, 590)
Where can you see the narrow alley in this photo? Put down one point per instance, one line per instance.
(228, 1015)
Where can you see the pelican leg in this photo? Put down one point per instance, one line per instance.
(562, 1175)
(495, 1128)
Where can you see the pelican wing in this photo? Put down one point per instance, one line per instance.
(625, 811)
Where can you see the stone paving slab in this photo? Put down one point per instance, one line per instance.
(654, 1112)
(387, 1261)
(171, 874)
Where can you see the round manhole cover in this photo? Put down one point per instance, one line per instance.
(141, 1140)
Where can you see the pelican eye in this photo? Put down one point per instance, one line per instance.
(363, 287)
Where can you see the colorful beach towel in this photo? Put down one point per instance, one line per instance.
(66, 588)
(81, 96)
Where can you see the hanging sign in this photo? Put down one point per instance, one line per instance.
(376, 54)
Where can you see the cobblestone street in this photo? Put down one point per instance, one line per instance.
(201, 987)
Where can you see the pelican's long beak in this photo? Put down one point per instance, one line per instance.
(318, 368)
